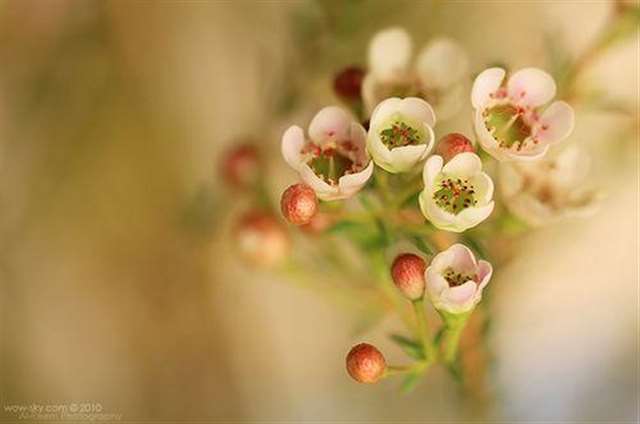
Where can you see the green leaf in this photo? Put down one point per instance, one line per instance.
(410, 382)
(409, 346)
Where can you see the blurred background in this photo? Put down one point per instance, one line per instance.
(118, 280)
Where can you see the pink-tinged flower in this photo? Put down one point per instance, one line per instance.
(407, 272)
(347, 84)
(261, 239)
(551, 189)
(437, 75)
(458, 195)
(299, 204)
(401, 133)
(455, 280)
(453, 144)
(365, 363)
(511, 121)
(333, 161)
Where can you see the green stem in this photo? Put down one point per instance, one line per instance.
(424, 335)
(451, 341)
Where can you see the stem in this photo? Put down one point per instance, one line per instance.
(451, 341)
(424, 335)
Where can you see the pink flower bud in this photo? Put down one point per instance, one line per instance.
(407, 272)
(452, 144)
(299, 204)
(348, 82)
(261, 239)
(241, 166)
(365, 363)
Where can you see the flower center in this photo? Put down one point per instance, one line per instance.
(331, 163)
(400, 134)
(456, 279)
(508, 126)
(455, 195)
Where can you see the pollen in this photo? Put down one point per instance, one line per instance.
(400, 134)
(508, 126)
(456, 279)
(333, 161)
(455, 195)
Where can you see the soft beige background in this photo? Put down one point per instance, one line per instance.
(112, 115)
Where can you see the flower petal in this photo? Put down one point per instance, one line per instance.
(389, 53)
(378, 151)
(485, 270)
(483, 186)
(330, 123)
(351, 183)
(531, 87)
(556, 123)
(463, 258)
(486, 84)
(321, 187)
(442, 63)
(465, 165)
(383, 112)
(435, 283)
(291, 147)
(417, 109)
(460, 295)
(432, 168)
(404, 158)
(473, 216)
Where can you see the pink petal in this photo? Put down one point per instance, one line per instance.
(460, 295)
(292, 143)
(463, 258)
(331, 122)
(485, 270)
(351, 183)
(556, 123)
(531, 87)
(485, 85)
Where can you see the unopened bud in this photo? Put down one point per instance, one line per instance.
(348, 82)
(241, 166)
(452, 144)
(261, 239)
(365, 363)
(407, 272)
(299, 204)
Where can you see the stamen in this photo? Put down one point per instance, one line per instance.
(400, 134)
(456, 279)
(454, 196)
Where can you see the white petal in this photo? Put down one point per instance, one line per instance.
(320, 186)
(405, 158)
(368, 91)
(450, 101)
(464, 260)
(432, 168)
(441, 262)
(351, 183)
(330, 123)
(483, 186)
(383, 112)
(418, 109)
(435, 283)
(291, 147)
(461, 295)
(437, 216)
(531, 87)
(485, 271)
(389, 53)
(378, 151)
(486, 84)
(470, 217)
(556, 123)
(442, 63)
(528, 155)
(464, 165)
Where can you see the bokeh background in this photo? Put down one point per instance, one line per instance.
(118, 280)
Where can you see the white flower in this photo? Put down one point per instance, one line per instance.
(548, 190)
(457, 196)
(334, 161)
(455, 279)
(509, 121)
(401, 133)
(437, 75)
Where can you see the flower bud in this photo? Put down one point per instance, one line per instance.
(299, 204)
(365, 363)
(348, 82)
(241, 166)
(261, 239)
(407, 272)
(452, 144)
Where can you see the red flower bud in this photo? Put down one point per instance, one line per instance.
(299, 204)
(407, 272)
(452, 144)
(241, 166)
(365, 363)
(348, 82)
(261, 239)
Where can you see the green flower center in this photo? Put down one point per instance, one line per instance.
(330, 165)
(508, 126)
(455, 195)
(400, 134)
(456, 279)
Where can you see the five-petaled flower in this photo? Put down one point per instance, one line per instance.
(401, 133)
(509, 120)
(458, 195)
(333, 161)
(437, 75)
(455, 280)
(549, 189)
